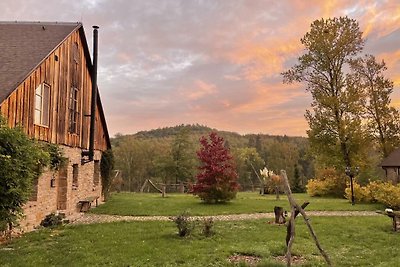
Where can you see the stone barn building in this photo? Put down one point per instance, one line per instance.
(48, 86)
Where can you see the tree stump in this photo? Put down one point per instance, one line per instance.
(395, 215)
(279, 215)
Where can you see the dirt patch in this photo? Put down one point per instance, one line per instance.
(250, 260)
(295, 259)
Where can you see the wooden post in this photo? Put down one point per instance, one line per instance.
(289, 226)
(295, 206)
(181, 187)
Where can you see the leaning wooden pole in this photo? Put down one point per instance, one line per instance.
(295, 206)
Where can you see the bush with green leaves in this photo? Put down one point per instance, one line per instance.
(57, 158)
(22, 160)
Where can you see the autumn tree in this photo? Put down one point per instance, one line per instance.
(136, 159)
(217, 176)
(335, 135)
(248, 163)
(382, 120)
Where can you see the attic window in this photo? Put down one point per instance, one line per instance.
(42, 104)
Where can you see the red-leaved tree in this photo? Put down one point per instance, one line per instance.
(217, 176)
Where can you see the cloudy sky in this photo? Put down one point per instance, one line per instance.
(212, 62)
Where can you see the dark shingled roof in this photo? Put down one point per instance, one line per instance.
(393, 160)
(24, 45)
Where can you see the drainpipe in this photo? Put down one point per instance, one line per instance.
(94, 93)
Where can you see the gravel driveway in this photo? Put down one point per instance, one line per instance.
(88, 218)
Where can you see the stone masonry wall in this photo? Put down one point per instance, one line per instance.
(392, 175)
(46, 202)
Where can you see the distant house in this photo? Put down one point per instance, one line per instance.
(391, 165)
(46, 77)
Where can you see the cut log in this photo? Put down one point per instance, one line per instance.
(279, 215)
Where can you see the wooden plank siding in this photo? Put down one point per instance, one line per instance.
(55, 70)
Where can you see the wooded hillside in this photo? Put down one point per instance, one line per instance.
(168, 155)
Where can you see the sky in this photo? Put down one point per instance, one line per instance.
(212, 62)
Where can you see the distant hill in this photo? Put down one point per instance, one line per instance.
(172, 131)
(148, 154)
(198, 130)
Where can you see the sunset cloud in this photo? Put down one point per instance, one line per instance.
(213, 62)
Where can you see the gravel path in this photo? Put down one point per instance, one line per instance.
(88, 218)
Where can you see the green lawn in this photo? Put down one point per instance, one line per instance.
(246, 202)
(355, 241)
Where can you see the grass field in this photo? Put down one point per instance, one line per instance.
(350, 241)
(355, 241)
(246, 202)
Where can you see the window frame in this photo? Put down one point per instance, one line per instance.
(73, 103)
(42, 109)
(73, 111)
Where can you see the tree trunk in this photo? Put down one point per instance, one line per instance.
(277, 192)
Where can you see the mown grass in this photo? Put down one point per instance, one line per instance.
(245, 202)
(353, 241)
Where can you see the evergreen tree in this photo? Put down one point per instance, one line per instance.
(297, 185)
(217, 177)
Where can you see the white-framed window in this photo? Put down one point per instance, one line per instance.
(42, 104)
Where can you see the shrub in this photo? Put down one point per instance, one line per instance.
(22, 160)
(386, 193)
(52, 220)
(208, 225)
(361, 193)
(184, 224)
(381, 192)
(329, 182)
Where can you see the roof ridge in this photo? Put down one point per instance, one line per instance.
(42, 22)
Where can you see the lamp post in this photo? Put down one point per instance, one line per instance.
(351, 172)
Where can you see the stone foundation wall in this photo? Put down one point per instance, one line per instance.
(48, 193)
(392, 175)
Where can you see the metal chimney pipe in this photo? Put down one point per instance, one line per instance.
(94, 93)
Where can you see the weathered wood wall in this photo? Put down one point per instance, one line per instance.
(55, 71)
